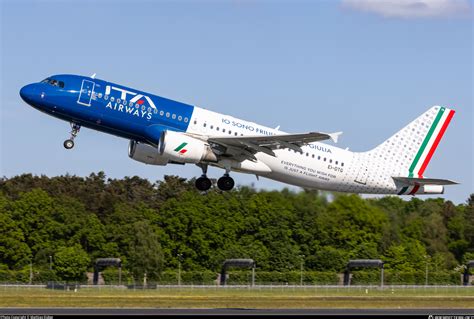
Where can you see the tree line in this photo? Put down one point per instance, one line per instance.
(66, 222)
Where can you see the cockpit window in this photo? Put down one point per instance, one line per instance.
(53, 82)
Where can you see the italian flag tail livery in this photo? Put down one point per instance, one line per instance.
(439, 119)
(408, 152)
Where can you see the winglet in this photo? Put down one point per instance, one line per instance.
(277, 128)
(334, 136)
(93, 76)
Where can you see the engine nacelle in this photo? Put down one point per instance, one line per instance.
(182, 148)
(146, 153)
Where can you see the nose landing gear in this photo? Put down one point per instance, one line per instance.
(69, 143)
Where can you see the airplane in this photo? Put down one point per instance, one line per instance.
(163, 131)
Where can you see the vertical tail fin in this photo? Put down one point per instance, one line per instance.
(408, 152)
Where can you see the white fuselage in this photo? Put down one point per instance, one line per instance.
(319, 166)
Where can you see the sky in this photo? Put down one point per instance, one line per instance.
(364, 67)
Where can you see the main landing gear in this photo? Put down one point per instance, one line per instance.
(75, 128)
(225, 183)
(203, 183)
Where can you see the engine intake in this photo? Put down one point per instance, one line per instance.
(145, 153)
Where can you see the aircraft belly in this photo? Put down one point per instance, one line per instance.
(292, 170)
(288, 167)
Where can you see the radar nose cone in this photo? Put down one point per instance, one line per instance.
(27, 92)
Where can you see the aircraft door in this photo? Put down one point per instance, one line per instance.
(363, 173)
(85, 96)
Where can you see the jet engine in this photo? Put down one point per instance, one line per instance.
(146, 153)
(182, 148)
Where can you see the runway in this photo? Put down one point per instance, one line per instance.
(228, 311)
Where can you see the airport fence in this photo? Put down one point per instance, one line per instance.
(243, 278)
(318, 289)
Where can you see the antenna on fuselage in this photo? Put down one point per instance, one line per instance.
(93, 76)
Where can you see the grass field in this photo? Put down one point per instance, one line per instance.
(318, 297)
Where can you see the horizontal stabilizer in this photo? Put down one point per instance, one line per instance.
(411, 181)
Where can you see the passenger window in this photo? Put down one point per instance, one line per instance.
(61, 84)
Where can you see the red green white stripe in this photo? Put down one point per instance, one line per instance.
(181, 148)
(428, 147)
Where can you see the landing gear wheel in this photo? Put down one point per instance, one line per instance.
(75, 128)
(203, 183)
(68, 144)
(225, 183)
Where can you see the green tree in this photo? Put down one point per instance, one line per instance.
(408, 256)
(40, 215)
(350, 221)
(14, 252)
(469, 231)
(33, 212)
(145, 255)
(70, 263)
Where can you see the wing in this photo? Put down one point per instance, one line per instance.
(411, 181)
(246, 146)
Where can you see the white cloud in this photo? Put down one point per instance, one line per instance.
(412, 8)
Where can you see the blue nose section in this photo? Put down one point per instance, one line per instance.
(28, 93)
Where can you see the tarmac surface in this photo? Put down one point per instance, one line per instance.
(228, 311)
